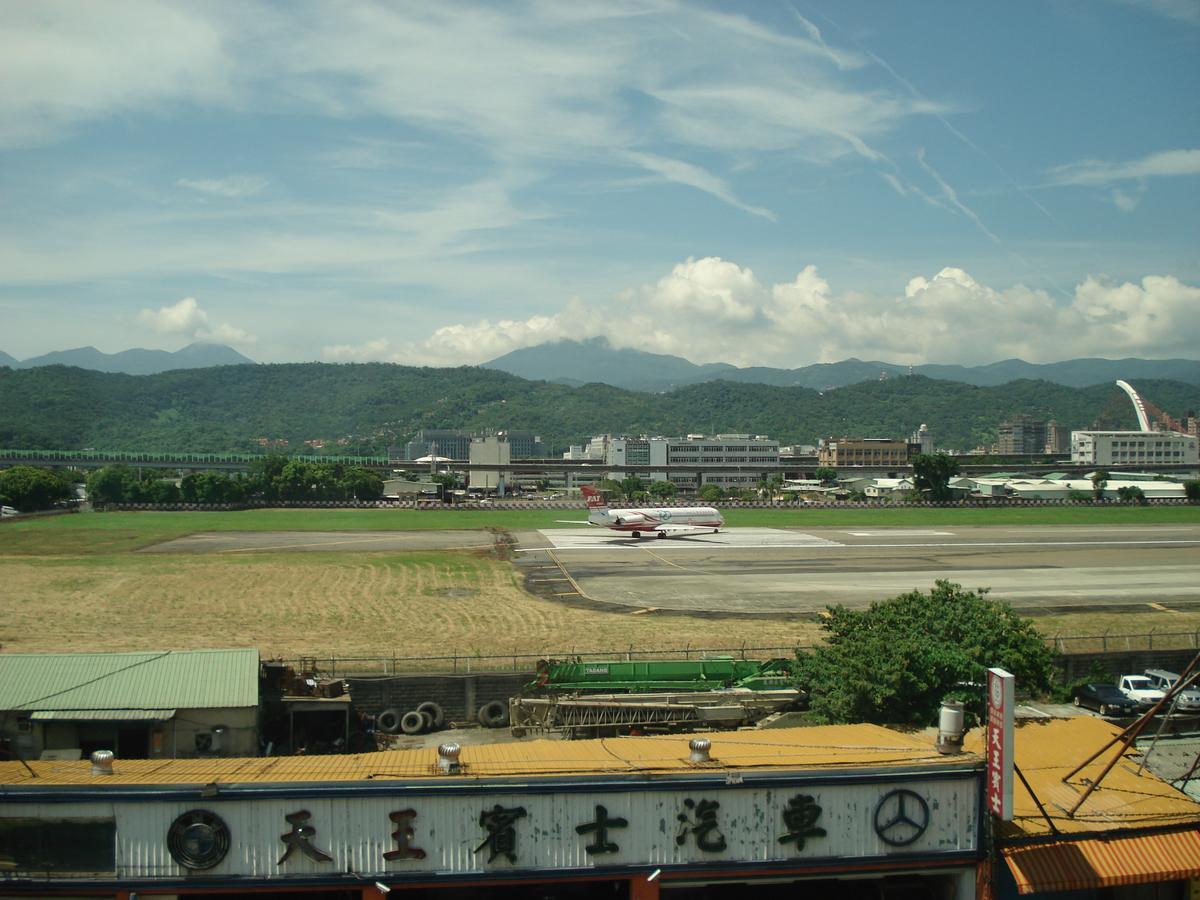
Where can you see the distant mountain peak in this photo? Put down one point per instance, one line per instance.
(595, 360)
(137, 361)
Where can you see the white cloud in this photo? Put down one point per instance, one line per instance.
(187, 319)
(710, 310)
(1186, 11)
(1127, 201)
(1168, 164)
(233, 186)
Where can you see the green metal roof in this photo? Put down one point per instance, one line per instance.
(176, 679)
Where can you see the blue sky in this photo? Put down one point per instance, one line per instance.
(774, 183)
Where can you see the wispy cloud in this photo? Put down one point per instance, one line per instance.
(952, 196)
(694, 176)
(1186, 11)
(232, 186)
(1167, 164)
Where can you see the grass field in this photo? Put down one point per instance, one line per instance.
(71, 583)
(89, 533)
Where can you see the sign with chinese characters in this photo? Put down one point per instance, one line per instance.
(418, 830)
(1000, 692)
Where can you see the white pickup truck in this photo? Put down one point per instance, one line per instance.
(1140, 689)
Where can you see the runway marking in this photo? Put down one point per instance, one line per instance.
(1161, 608)
(901, 533)
(667, 561)
(642, 612)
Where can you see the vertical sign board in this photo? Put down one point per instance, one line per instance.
(1000, 743)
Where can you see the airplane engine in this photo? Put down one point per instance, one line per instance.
(631, 519)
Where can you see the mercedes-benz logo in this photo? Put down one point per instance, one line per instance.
(901, 817)
(198, 839)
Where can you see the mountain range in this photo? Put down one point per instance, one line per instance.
(596, 361)
(366, 408)
(136, 361)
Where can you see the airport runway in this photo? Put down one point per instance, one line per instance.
(800, 571)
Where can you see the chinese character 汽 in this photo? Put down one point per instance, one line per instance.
(300, 837)
(501, 835)
(800, 816)
(602, 844)
(403, 835)
(703, 826)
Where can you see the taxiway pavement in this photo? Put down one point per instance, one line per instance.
(800, 571)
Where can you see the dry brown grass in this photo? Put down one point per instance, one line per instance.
(344, 604)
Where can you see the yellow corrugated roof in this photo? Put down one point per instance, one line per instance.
(1047, 749)
(830, 747)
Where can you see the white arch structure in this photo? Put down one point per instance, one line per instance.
(1139, 406)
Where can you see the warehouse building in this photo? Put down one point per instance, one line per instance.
(172, 704)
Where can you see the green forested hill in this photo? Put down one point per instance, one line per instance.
(230, 407)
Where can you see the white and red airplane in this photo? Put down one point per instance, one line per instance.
(659, 521)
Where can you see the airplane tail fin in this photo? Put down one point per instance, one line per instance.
(595, 500)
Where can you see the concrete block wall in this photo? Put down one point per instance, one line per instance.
(1078, 666)
(460, 696)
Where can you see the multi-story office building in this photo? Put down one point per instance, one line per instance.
(1022, 436)
(1058, 438)
(876, 452)
(758, 453)
(456, 444)
(1133, 448)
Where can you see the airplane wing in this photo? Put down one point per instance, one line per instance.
(573, 522)
(682, 529)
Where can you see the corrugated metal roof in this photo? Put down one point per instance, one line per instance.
(830, 747)
(97, 715)
(181, 679)
(1048, 749)
(1098, 863)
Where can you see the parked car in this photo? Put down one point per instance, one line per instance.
(8, 511)
(1140, 689)
(1106, 699)
(1189, 700)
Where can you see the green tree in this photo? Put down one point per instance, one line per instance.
(29, 488)
(358, 483)
(1099, 483)
(112, 484)
(609, 488)
(932, 473)
(632, 487)
(264, 473)
(826, 475)
(662, 490)
(711, 492)
(1131, 493)
(1191, 489)
(897, 660)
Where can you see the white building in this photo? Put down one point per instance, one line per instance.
(757, 453)
(1133, 448)
(922, 438)
(489, 451)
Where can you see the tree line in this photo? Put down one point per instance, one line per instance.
(270, 479)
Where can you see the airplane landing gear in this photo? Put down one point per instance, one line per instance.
(662, 534)
(637, 534)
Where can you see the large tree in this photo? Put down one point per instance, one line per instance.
(29, 488)
(932, 473)
(894, 662)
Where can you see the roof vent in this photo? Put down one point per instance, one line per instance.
(102, 762)
(448, 758)
(950, 727)
(700, 748)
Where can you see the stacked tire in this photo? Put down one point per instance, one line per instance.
(493, 714)
(427, 717)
